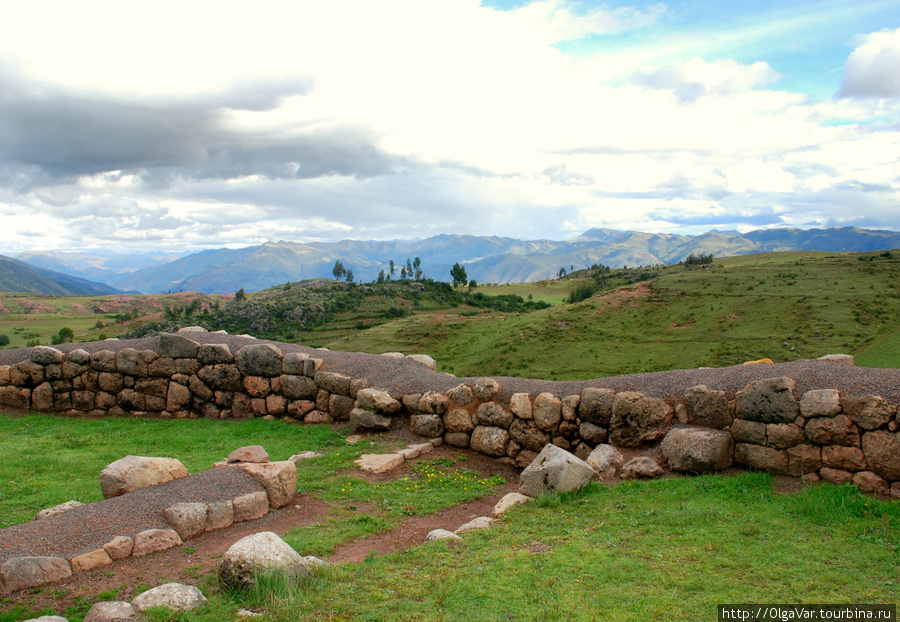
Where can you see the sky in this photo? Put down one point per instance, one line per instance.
(181, 126)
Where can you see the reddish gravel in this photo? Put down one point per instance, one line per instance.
(90, 526)
(403, 376)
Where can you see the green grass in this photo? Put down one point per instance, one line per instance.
(662, 550)
(783, 306)
(51, 460)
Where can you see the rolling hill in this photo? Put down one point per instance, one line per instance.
(18, 276)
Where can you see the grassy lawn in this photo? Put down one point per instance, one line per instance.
(659, 550)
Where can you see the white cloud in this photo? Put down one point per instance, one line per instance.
(873, 69)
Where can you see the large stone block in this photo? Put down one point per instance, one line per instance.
(377, 400)
(554, 470)
(45, 355)
(490, 440)
(870, 412)
(333, 382)
(259, 553)
(429, 426)
(260, 359)
(708, 408)
(803, 459)
(838, 430)
(252, 506)
(459, 420)
(188, 519)
(820, 403)
(638, 420)
(174, 596)
(849, 459)
(520, 405)
(605, 460)
(177, 347)
(547, 411)
(769, 401)
(748, 431)
(155, 540)
(493, 414)
(528, 435)
(367, 420)
(597, 406)
(882, 451)
(698, 450)
(762, 458)
(134, 472)
(278, 478)
(20, 573)
(222, 377)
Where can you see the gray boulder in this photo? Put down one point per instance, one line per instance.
(174, 596)
(769, 401)
(638, 420)
(641, 467)
(489, 440)
(260, 553)
(698, 450)
(262, 359)
(708, 408)
(134, 472)
(110, 611)
(177, 347)
(605, 459)
(19, 573)
(554, 470)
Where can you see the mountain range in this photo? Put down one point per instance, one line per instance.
(486, 259)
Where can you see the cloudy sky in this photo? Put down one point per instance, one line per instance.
(189, 125)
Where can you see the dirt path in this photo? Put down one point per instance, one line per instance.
(199, 557)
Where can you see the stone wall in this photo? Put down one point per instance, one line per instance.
(767, 426)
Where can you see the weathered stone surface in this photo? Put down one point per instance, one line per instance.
(820, 403)
(42, 397)
(490, 440)
(215, 354)
(14, 397)
(278, 478)
(641, 467)
(428, 426)
(838, 430)
(221, 376)
(554, 470)
(769, 401)
(526, 433)
(178, 397)
(597, 406)
(481, 522)
(509, 499)
(219, 515)
(298, 387)
(134, 472)
(252, 506)
(261, 359)
(130, 363)
(783, 435)
(259, 553)
(293, 363)
(379, 463)
(570, 407)
(520, 405)
(845, 458)
(45, 355)
(708, 408)
(318, 417)
(90, 561)
(525, 457)
(378, 400)
(119, 547)
(593, 433)
(605, 460)
(423, 359)
(177, 346)
(110, 611)
(698, 450)
(410, 401)
(492, 413)
(748, 431)
(546, 411)
(333, 382)
(835, 476)
(867, 481)
(638, 420)
(174, 596)
(869, 412)
(188, 519)
(367, 420)
(433, 403)
(485, 388)
(459, 420)
(457, 439)
(47, 619)
(803, 459)
(19, 573)
(882, 451)
(249, 453)
(256, 386)
(58, 509)
(462, 394)
(762, 458)
(155, 540)
(440, 534)
(340, 406)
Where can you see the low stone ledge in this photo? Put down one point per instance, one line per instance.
(20, 573)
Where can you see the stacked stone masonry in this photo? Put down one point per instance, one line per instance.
(767, 426)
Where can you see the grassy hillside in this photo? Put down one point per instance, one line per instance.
(783, 306)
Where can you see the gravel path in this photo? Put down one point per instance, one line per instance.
(403, 376)
(92, 525)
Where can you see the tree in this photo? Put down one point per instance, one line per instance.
(239, 295)
(409, 270)
(392, 267)
(473, 284)
(339, 270)
(4, 340)
(403, 272)
(381, 277)
(65, 335)
(458, 274)
(349, 276)
(417, 264)
(561, 273)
